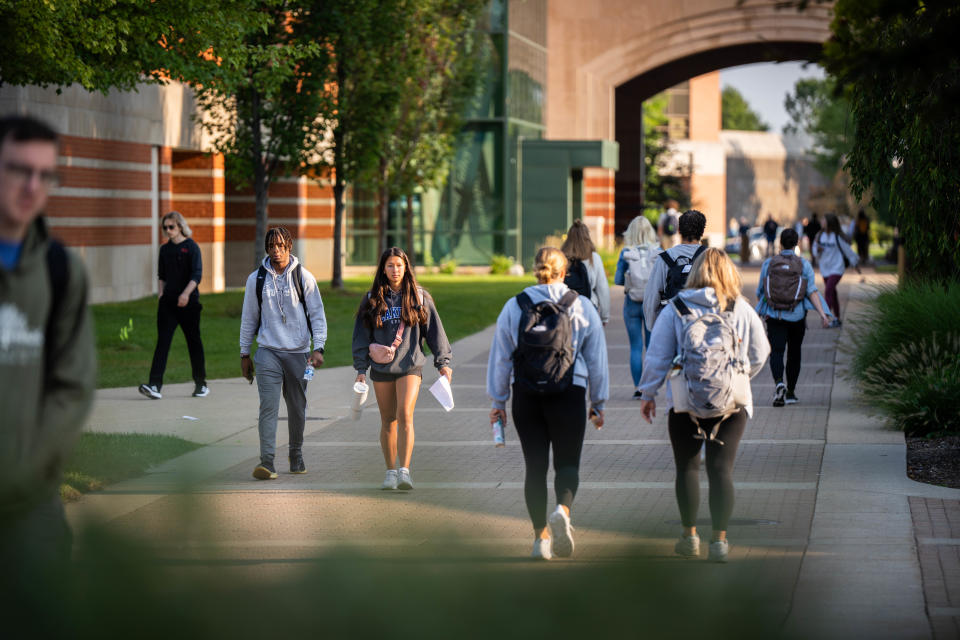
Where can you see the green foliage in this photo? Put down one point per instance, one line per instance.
(448, 267)
(660, 183)
(500, 264)
(898, 63)
(736, 113)
(126, 330)
(267, 107)
(100, 459)
(609, 258)
(104, 44)
(906, 358)
(816, 109)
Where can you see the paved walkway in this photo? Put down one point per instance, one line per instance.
(822, 496)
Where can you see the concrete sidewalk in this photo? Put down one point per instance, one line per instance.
(822, 495)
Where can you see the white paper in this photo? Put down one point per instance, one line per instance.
(442, 392)
(190, 418)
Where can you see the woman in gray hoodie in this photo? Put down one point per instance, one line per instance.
(713, 286)
(397, 311)
(556, 420)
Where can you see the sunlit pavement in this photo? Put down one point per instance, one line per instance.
(822, 497)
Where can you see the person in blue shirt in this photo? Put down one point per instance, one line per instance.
(786, 328)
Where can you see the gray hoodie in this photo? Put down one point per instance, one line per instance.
(409, 354)
(667, 335)
(283, 324)
(589, 344)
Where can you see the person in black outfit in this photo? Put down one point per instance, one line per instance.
(179, 271)
(811, 230)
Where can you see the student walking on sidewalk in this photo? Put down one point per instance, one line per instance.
(180, 269)
(713, 288)
(785, 292)
(832, 251)
(634, 267)
(582, 258)
(549, 342)
(397, 314)
(283, 308)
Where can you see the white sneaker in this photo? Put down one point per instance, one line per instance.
(541, 549)
(150, 391)
(403, 479)
(390, 480)
(562, 532)
(687, 546)
(718, 551)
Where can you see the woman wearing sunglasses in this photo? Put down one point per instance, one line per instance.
(179, 271)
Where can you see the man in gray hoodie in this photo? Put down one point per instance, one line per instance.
(659, 287)
(283, 307)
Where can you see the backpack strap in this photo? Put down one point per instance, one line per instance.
(696, 253)
(568, 299)
(59, 273)
(261, 276)
(298, 281)
(681, 307)
(666, 258)
(523, 299)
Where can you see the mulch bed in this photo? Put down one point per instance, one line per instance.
(934, 461)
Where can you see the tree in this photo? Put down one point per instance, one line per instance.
(736, 113)
(442, 69)
(104, 44)
(898, 63)
(816, 109)
(266, 107)
(663, 180)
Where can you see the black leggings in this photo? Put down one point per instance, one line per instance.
(558, 420)
(789, 336)
(188, 318)
(686, 454)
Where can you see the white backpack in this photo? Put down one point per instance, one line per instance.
(640, 261)
(709, 377)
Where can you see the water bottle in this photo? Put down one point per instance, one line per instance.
(498, 440)
(308, 372)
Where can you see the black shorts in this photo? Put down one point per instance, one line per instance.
(377, 376)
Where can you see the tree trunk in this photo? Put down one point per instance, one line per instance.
(338, 209)
(410, 253)
(261, 181)
(384, 207)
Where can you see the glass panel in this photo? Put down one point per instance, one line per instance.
(472, 206)
(527, 77)
(488, 100)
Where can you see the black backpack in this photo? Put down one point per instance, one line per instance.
(677, 272)
(298, 283)
(543, 359)
(669, 225)
(577, 277)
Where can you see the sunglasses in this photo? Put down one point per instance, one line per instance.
(170, 227)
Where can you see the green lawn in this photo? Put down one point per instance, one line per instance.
(104, 458)
(467, 304)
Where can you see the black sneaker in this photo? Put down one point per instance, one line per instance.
(791, 397)
(779, 394)
(296, 463)
(201, 391)
(265, 471)
(637, 395)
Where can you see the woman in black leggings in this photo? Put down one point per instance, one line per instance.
(552, 419)
(712, 287)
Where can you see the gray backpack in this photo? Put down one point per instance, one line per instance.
(709, 378)
(785, 286)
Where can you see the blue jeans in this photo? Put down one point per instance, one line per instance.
(638, 334)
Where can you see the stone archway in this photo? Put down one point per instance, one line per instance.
(607, 56)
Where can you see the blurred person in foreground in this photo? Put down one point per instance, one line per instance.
(47, 357)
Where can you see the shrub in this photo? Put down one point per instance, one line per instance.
(449, 267)
(500, 264)
(906, 357)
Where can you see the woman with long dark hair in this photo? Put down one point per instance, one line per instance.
(397, 313)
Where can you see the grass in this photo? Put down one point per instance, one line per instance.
(466, 304)
(105, 458)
